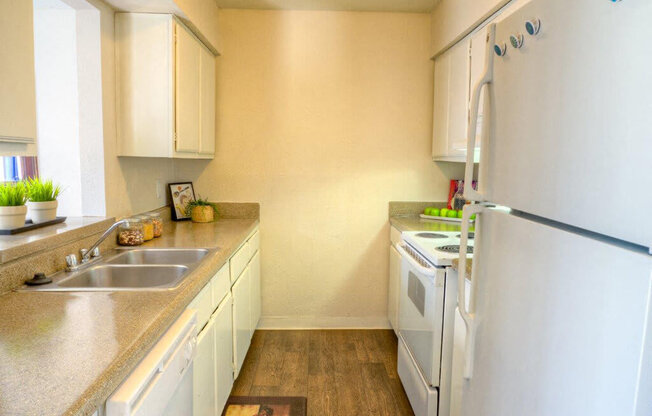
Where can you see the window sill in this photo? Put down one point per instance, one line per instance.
(15, 246)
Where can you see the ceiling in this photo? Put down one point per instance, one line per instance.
(413, 6)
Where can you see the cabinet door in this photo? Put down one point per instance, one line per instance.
(203, 375)
(224, 352)
(440, 107)
(458, 103)
(241, 318)
(187, 90)
(207, 104)
(256, 300)
(17, 75)
(393, 291)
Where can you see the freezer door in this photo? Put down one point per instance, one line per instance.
(561, 323)
(569, 117)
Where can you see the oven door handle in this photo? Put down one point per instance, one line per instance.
(426, 270)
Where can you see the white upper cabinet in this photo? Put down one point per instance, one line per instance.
(166, 101)
(187, 91)
(451, 97)
(457, 71)
(440, 107)
(17, 78)
(207, 104)
(458, 99)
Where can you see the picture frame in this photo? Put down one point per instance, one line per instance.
(181, 193)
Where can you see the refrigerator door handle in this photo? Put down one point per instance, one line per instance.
(467, 314)
(471, 194)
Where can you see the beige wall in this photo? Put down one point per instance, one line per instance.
(454, 19)
(203, 16)
(323, 117)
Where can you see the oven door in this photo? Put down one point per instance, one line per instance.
(421, 311)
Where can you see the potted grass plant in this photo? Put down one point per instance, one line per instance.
(12, 205)
(42, 197)
(201, 210)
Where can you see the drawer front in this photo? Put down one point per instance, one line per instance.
(423, 399)
(394, 236)
(221, 284)
(203, 304)
(254, 243)
(239, 261)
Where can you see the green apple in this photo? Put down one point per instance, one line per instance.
(436, 212)
(473, 216)
(459, 213)
(427, 211)
(443, 212)
(452, 213)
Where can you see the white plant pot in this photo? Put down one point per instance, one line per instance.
(12, 217)
(42, 211)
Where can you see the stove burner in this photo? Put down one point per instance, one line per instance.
(471, 236)
(430, 235)
(454, 248)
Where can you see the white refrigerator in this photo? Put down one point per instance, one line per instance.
(559, 320)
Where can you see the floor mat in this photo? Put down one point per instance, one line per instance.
(265, 406)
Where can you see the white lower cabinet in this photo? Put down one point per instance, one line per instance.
(213, 366)
(204, 371)
(223, 352)
(256, 299)
(227, 317)
(241, 318)
(393, 289)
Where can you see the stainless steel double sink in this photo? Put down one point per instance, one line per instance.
(129, 269)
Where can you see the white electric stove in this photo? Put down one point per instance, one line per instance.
(439, 248)
(426, 321)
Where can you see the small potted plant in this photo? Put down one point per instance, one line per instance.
(12, 205)
(42, 202)
(201, 210)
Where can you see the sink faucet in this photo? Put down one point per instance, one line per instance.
(93, 251)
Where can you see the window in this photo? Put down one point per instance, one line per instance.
(17, 168)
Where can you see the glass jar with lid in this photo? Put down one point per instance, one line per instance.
(131, 233)
(157, 221)
(148, 227)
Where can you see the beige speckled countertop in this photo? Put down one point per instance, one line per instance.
(66, 352)
(469, 265)
(415, 223)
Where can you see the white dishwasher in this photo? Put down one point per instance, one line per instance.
(162, 383)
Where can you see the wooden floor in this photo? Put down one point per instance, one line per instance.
(341, 372)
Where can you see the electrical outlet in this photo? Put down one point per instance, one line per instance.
(159, 189)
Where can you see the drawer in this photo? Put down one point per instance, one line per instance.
(239, 261)
(394, 235)
(203, 304)
(422, 397)
(254, 244)
(221, 285)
